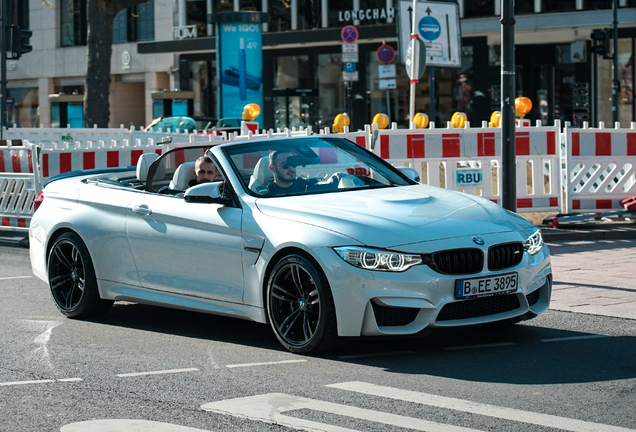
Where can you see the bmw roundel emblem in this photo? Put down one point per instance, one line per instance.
(478, 241)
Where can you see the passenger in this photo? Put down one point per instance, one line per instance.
(285, 180)
(204, 171)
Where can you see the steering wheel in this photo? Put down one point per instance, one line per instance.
(349, 181)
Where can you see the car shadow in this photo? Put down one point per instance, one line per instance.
(190, 324)
(524, 354)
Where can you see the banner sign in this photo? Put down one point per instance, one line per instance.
(239, 67)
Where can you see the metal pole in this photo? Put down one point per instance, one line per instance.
(615, 81)
(414, 64)
(508, 150)
(388, 105)
(3, 68)
(432, 83)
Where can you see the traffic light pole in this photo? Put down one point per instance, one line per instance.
(508, 127)
(3, 67)
(615, 81)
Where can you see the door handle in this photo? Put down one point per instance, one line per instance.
(142, 210)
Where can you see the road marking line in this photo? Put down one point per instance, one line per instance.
(492, 345)
(111, 425)
(569, 338)
(160, 372)
(494, 411)
(380, 354)
(16, 277)
(44, 381)
(264, 363)
(269, 408)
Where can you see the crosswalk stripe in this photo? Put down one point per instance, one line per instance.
(494, 411)
(269, 408)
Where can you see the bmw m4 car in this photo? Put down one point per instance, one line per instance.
(315, 236)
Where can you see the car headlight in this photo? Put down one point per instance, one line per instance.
(377, 259)
(534, 243)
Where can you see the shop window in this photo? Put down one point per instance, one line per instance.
(73, 22)
(524, 7)
(332, 96)
(598, 4)
(22, 106)
(559, 5)
(197, 15)
(279, 15)
(293, 72)
(309, 14)
(479, 8)
(136, 23)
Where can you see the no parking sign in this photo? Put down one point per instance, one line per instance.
(385, 54)
(349, 34)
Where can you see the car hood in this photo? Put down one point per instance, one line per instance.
(396, 216)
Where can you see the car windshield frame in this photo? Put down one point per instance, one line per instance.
(371, 170)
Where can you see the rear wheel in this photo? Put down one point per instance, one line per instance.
(300, 307)
(72, 279)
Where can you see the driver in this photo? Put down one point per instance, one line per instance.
(204, 171)
(285, 180)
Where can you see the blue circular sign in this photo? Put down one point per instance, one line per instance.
(429, 28)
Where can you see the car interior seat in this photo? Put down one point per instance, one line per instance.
(182, 176)
(262, 174)
(143, 164)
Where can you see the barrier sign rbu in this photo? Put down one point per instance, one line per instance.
(438, 26)
(469, 177)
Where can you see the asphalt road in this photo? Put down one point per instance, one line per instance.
(143, 368)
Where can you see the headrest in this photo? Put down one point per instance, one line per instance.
(143, 164)
(262, 174)
(182, 176)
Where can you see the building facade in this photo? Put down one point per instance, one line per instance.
(170, 45)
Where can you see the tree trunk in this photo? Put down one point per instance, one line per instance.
(100, 15)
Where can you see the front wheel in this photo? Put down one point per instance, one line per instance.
(300, 307)
(72, 279)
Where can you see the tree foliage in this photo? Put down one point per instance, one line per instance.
(100, 15)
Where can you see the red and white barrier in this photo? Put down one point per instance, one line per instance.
(19, 183)
(447, 157)
(600, 168)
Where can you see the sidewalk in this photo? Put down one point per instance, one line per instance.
(593, 269)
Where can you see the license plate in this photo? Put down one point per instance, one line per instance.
(487, 286)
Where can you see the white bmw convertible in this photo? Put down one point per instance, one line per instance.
(314, 235)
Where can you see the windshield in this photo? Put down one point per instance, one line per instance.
(309, 165)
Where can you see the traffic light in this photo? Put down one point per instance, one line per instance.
(601, 42)
(19, 39)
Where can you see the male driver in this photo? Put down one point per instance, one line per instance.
(205, 171)
(285, 181)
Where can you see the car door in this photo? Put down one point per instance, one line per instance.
(185, 247)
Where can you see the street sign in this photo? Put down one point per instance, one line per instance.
(349, 34)
(385, 54)
(417, 52)
(350, 48)
(349, 67)
(350, 76)
(350, 57)
(387, 84)
(386, 71)
(437, 23)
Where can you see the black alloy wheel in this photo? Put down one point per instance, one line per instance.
(300, 307)
(72, 279)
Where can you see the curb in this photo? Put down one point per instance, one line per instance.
(568, 309)
(607, 232)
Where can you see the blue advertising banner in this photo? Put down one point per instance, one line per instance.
(239, 67)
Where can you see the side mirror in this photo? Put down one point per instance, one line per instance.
(410, 173)
(207, 193)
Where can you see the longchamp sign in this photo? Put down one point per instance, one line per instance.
(366, 14)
